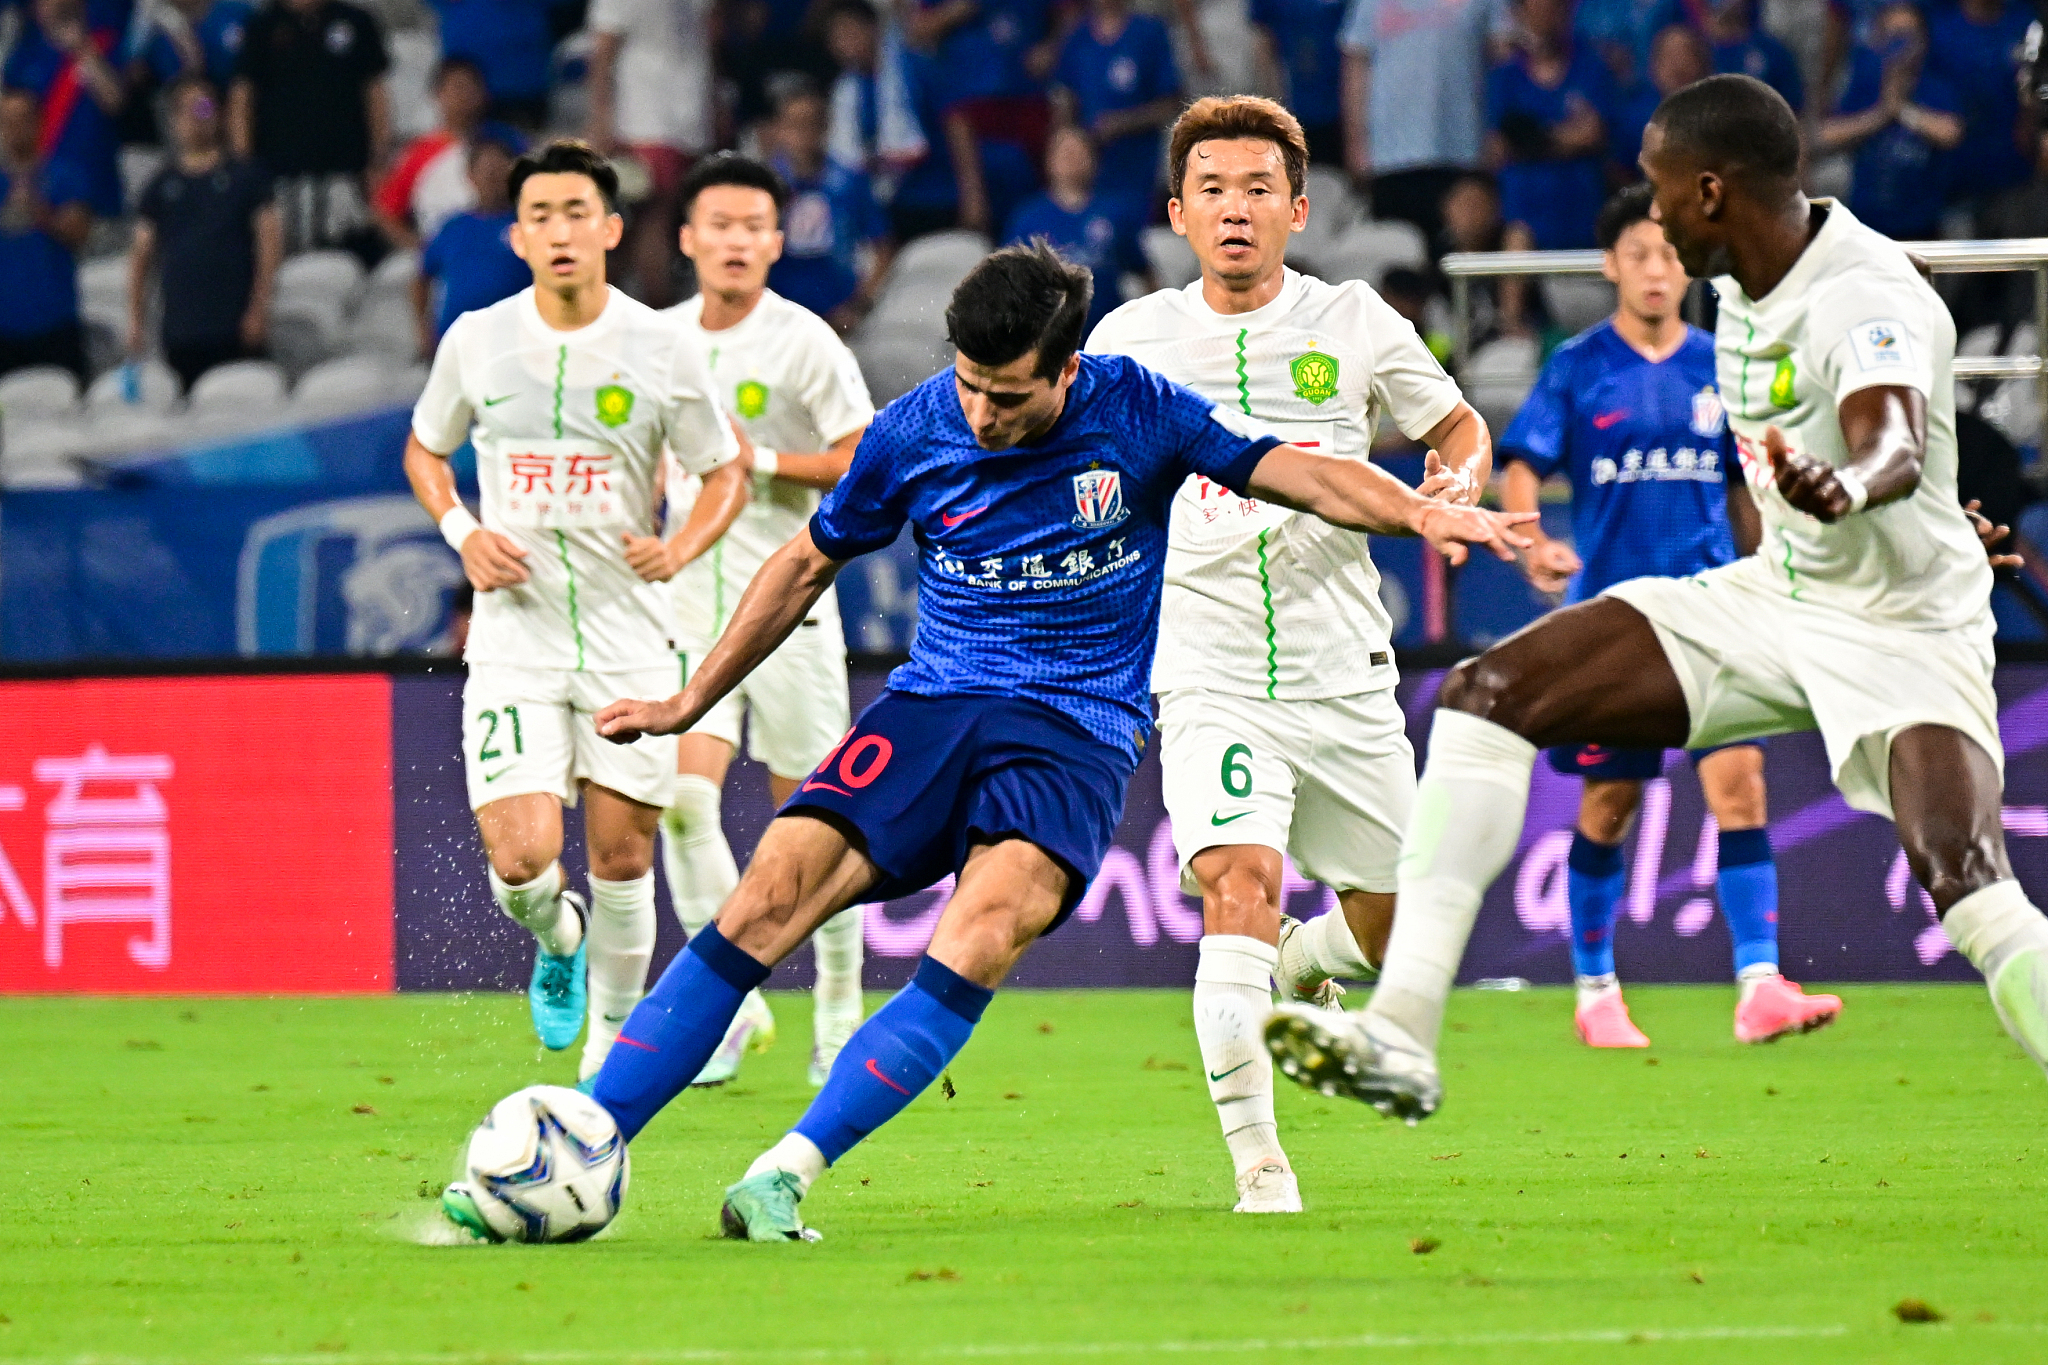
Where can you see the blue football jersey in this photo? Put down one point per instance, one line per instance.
(1039, 566)
(1645, 444)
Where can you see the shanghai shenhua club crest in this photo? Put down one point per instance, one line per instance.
(1099, 498)
(1315, 376)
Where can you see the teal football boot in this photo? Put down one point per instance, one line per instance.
(558, 995)
(762, 1208)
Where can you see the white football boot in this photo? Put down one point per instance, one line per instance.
(1334, 1053)
(1269, 1187)
(829, 1031)
(1296, 977)
(751, 1030)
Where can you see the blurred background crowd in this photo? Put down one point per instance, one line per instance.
(220, 216)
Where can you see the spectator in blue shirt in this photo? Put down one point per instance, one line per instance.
(985, 48)
(1098, 230)
(1900, 118)
(1117, 81)
(63, 63)
(471, 257)
(1414, 84)
(196, 37)
(927, 197)
(1546, 114)
(1741, 48)
(1623, 32)
(1976, 46)
(1301, 42)
(511, 41)
(831, 218)
(44, 219)
(1677, 59)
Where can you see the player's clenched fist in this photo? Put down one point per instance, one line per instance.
(1810, 485)
(651, 557)
(625, 721)
(1550, 565)
(1450, 528)
(492, 561)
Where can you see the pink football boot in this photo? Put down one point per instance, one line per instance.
(1778, 1007)
(1605, 1023)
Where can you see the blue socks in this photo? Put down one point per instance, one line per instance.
(1596, 877)
(1748, 885)
(891, 1058)
(673, 1032)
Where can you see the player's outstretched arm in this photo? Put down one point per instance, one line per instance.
(1885, 429)
(1364, 497)
(782, 594)
(1464, 449)
(489, 560)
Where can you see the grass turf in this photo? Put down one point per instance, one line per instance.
(229, 1180)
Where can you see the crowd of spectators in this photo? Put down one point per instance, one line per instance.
(1485, 123)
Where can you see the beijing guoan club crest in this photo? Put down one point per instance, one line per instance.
(1315, 376)
(614, 405)
(751, 398)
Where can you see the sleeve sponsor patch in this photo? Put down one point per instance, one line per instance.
(1881, 344)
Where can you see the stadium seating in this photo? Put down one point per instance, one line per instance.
(352, 383)
(247, 386)
(39, 391)
(1173, 260)
(1499, 376)
(146, 385)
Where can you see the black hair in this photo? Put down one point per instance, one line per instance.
(1404, 282)
(568, 156)
(1735, 124)
(730, 168)
(1629, 206)
(1021, 299)
(451, 64)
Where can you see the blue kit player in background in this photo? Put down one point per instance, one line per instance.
(1628, 412)
(1038, 482)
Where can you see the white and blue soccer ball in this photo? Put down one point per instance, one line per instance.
(546, 1165)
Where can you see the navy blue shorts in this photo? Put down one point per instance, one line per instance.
(923, 779)
(1598, 763)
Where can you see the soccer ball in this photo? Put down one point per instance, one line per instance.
(546, 1165)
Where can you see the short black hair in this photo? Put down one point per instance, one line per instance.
(568, 156)
(1404, 282)
(1021, 299)
(730, 168)
(1629, 206)
(1735, 124)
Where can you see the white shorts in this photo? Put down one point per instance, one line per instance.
(527, 730)
(794, 704)
(1330, 782)
(1753, 662)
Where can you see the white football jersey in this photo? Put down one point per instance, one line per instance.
(791, 382)
(1853, 312)
(570, 429)
(1261, 601)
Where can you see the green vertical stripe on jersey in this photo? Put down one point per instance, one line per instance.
(562, 541)
(718, 587)
(1272, 640)
(1244, 400)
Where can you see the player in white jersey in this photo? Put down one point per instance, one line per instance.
(1865, 615)
(1279, 729)
(801, 405)
(570, 392)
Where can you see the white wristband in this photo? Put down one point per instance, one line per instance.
(1853, 485)
(456, 526)
(765, 462)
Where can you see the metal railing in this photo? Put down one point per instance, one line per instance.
(2019, 254)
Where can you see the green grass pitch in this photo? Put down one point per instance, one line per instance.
(232, 1181)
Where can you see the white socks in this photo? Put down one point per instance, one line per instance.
(1591, 988)
(796, 1154)
(1988, 926)
(701, 872)
(1468, 814)
(1333, 949)
(621, 945)
(1752, 976)
(1233, 996)
(537, 905)
(839, 950)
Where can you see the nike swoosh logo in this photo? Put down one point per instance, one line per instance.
(493, 777)
(953, 520)
(876, 1072)
(1608, 419)
(493, 402)
(1219, 1075)
(1217, 818)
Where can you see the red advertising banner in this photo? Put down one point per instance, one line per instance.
(196, 834)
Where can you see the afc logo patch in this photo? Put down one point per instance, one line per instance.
(1099, 498)
(1880, 345)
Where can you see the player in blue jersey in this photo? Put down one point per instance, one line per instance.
(1628, 411)
(1038, 483)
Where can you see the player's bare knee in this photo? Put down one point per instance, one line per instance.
(1488, 687)
(625, 860)
(1240, 888)
(1607, 809)
(518, 865)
